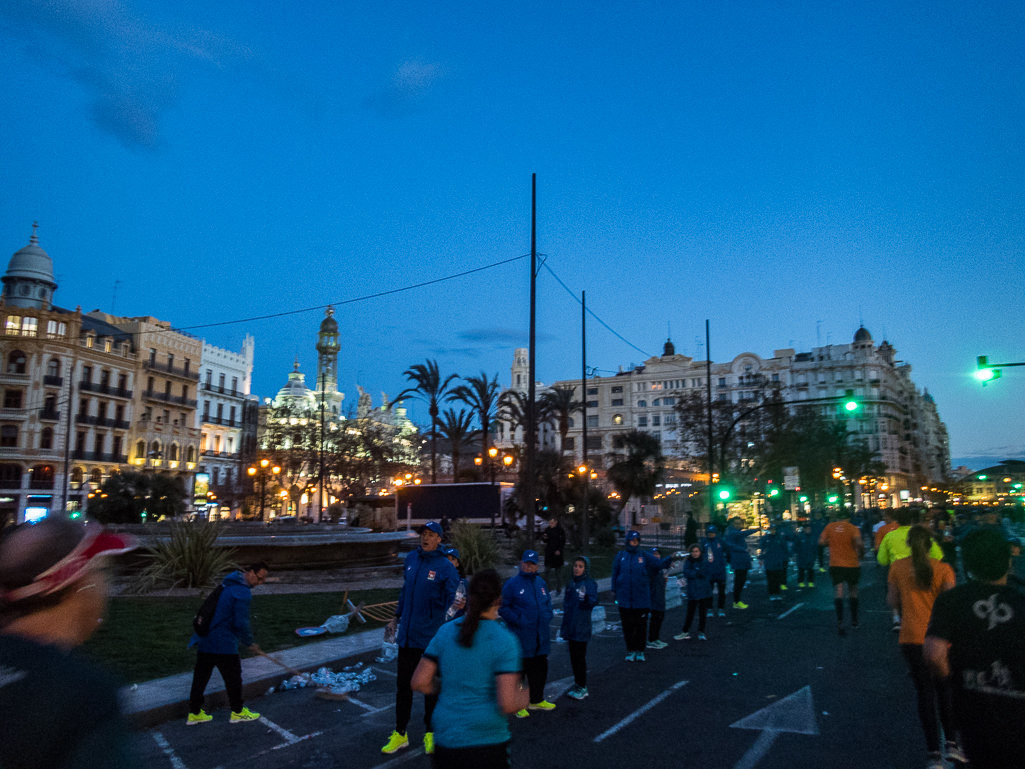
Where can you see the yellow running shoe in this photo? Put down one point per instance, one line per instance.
(542, 705)
(399, 741)
(739, 605)
(199, 718)
(429, 743)
(522, 713)
(244, 715)
(783, 587)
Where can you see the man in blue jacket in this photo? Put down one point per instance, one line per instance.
(527, 611)
(715, 553)
(735, 540)
(631, 582)
(428, 589)
(219, 648)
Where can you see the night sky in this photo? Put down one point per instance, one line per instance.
(769, 166)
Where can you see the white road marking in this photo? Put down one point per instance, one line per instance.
(639, 712)
(794, 713)
(165, 746)
(755, 752)
(401, 759)
(556, 689)
(791, 610)
(291, 738)
(386, 672)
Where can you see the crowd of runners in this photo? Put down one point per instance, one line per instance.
(478, 651)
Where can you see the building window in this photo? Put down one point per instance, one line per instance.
(215, 476)
(617, 419)
(572, 423)
(231, 416)
(642, 421)
(655, 402)
(592, 421)
(8, 436)
(592, 404)
(592, 390)
(78, 475)
(617, 389)
(669, 401)
(108, 344)
(28, 326)
(16, 362)
(174, 452)
(13, 327)
(656, 420)
(12, 398)
(617, 442)
(96, 477)
(87, 374)
(190, 454)
(775, 377)
(140, 450)
(722, 381)
(594, 443)
(234, 385)
(617, 401)
(220, 411)
(570, 444)
(670, 419)
(53, 367)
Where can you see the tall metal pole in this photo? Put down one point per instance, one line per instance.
(708, 391)
(66, 486)
(583, 393)
(323, 397)
(528, 470)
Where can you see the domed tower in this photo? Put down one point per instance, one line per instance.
(327, 362)
(862, 340)
(28, 281)
(669, 349)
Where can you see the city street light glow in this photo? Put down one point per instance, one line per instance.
(984, 374)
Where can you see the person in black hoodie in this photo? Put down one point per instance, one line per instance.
(554, 538)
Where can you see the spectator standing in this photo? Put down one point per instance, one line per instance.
(581, 598)
(818, 525)
(690, 533)
(472, 667)
(975, 641)
(914, 584)
(554, 538)
(631, 582)
(59, 709)
(775, 557)
(844, 542)
(527, 610)
(699, 594)
(658, 604)
(735, 539)
(806, 548)
(716, 554)
(219, 648)
(428, 590)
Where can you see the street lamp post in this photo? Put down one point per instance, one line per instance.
(263, 473)
(507, 460)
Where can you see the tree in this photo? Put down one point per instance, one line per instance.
(124, 497)
(512, 408)
(429, 388)
(637, 474)
(457, 429)
(557, 407)
(481, 395)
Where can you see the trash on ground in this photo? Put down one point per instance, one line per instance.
(339, 623)
(349, 680)
(306, 632)
(389, 651)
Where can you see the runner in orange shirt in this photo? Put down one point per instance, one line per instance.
(844, 541)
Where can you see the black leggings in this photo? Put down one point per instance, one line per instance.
(635, 626)
(720, 585)
(933, 695)
(775, 578)
(656, 624)
(822, 556)
(702, 606)
(230, 667)
(476, 757)
(809, 570)
(536, 671)
(739, 580)
(409, 658)
(578, 661)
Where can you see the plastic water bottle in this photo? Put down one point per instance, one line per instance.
(581, 592)
(460, 595)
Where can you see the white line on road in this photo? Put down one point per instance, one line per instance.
(165, 746)
(639, 712)
(386, 672)
(401, 759)
(369, 708)
(791, 610)
(755, 752)
(291, 738)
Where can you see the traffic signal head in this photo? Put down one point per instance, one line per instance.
(833, 499)
(983, 372)
(774, 493)
(850, 404)
(724, 494)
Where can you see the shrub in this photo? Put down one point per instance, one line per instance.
(605, 537)
(190, 558)
(477, 547)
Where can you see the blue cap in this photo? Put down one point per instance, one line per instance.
(656, 550)
(529, 556)
(712, 529)
(632, 535)
(454, 552)
(435, 527)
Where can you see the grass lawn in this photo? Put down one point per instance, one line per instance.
(146, 638)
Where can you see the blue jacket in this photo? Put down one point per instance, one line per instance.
(736, 542)
(698, 586)
(576, 618)
(527, 611)
(428, 589)
(713, 552)
(818, 525)
(631, 576)
(658, 590)
(806, 548)
(230, 625)
(775, 553)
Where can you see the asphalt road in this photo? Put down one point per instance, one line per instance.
(842, 702)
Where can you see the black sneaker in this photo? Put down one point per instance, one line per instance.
(854, 626)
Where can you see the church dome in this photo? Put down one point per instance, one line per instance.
(862, 335)
(329, 325)
(31, 262)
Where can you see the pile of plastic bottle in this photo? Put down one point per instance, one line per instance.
(349, 680)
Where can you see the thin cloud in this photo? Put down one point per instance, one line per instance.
(501, 337)
(132, 70)
(411, 83)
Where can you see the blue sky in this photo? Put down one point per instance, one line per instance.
(767, 166)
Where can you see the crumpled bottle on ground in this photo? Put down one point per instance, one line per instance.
(339, 623)
(389, 651)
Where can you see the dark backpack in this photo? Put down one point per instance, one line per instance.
(205, 615)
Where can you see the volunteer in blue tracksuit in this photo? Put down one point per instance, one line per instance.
(631, 582)
(699, 593)
(658, 604)
(775, 556)
(806, 548)
(219, 647)
(527, 611)
(428, 589)
(735, 539)
(715, 553)
(581, 598)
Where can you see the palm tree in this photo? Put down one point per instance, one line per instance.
(428, 387)
(637, 474)
(457, 428)
(481, 395)
(512, 408)
(557, 406)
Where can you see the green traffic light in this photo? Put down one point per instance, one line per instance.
(804, 499)
(832, 499)
(984, 374)
(983, 477)
(724, 494)
(851, 405)
(775, 492)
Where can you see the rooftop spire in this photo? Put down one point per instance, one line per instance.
(34, 240)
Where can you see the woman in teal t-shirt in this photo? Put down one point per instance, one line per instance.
(473, 665)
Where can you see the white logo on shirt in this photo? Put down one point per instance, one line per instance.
(994, 612)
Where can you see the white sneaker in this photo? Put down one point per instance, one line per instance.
(682, 637)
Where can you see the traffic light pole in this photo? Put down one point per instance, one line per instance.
(583, 393)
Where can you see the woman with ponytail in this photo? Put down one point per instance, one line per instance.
(914, 584)
(473, 665)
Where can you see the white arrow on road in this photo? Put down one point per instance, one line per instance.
(795, 714)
